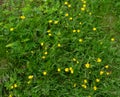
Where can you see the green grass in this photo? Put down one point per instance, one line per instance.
(54, 49)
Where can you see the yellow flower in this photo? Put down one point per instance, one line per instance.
(99, 60)
(70, 18)
(46, 53)
(15, 85)
(90, 13)
(49, 31)
(84, 1)
(44, 73)
(50, 21)
(59, 45)
(87, 65)
(78, 30)
(82, 8)
(69, 5)
(84, 86)
(12, 87)
(74, 59)
(74, 85)
(41, 43)
(85, 81)
(66, 14)
(77, 62)
(95, 88)
(55, 22)
(66, 69)
(107, 73)
(11, 29)
(101, 72)
(112, 39)
(80, 40)
(50, 34)
(10, 95)
(106, 66)
(66, 3)
(22, 17)
(58, 69)
(71, 71)
(97, 80)
(84, 5)
(30, 77)
(43, 57)
(94, 29)
(74, 30)
(80, 23)
(28, 82)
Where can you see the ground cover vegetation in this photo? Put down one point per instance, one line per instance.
(60, 48)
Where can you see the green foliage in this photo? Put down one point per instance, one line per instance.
(58, 48)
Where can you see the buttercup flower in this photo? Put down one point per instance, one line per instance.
(58, 69)
(87, 65)
(101, 72)
(59, 45)
(22, 17)
(80, 40)
(95, 88)
(99, 60)
(112, 39)
(66, 14)
(97, 80)
(94, 29)
(30, 77)
(85, 81)
(66, 69)
(106, 66)
(11, 29)
(84, 86)
(46, 53)
(69, 5)
(66, 3)
(15, 85)
(50, 21)
(44, 73)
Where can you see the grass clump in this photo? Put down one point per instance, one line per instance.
(57, 48)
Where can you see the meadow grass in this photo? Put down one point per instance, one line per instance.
(60, 48)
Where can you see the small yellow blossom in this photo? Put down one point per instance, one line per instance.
(84, 86)
(80, 40)
(72, 71)
(66, 69)
(107, 73)
(78, 30)
(94, 29)
(90, 13)
(112, 39)
(30, 77)
(101, 72)
(74, 85)
(84, 5)
(46, 53)
(99, 60)
(12, 87)
(10, 95)
(77, 62)
(70, 18)
(59, 45)
(41, 43)
(66, 14)
(85, 81)
(15, 85)
(28, 82)
(44, 73)
(49, 31)
(74, 30)
(50, 21)
(66, 3)
(106, 66)
(84, 1)
(95, 88)
(22, 17)
(74, 59)
(55, 22)
(82, 9)
(50, 34)
(97, 80)
(43, 57)
(58, 69)
(11, 29)
(87, 65)
(80, 23)
(69, 5)
(71, 68)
